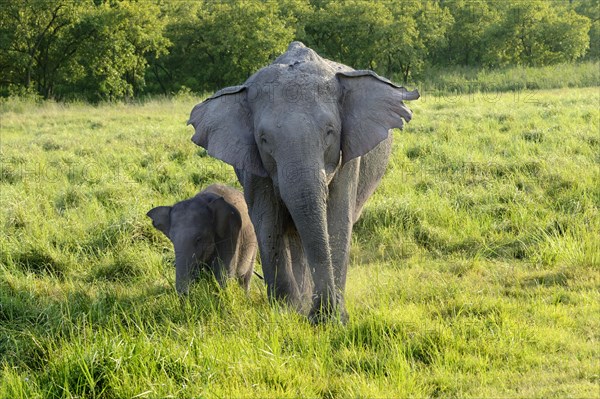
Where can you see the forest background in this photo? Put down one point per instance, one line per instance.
(105, 50)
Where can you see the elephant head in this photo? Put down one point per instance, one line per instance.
(204, 231)
(298, 122)
(301, 105)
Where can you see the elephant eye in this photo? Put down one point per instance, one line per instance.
(330, 132)
(263, 140)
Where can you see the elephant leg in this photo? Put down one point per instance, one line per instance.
(300, 266)
(276, 261)
(246, 258)
(247, 248)
(372, 168)
(269, 218)
(340, 211)
(244, 280)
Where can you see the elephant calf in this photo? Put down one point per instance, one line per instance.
(211, 230)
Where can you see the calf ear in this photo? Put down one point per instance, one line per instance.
(370, 107)
(161, 218)
(227, 223)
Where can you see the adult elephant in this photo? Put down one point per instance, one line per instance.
(309, 140)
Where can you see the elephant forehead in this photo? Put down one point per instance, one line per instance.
(300, 57)
(189, 213)
(292, 88)
(298, 76)
(308, 116)
(317, 84)
(321, 71)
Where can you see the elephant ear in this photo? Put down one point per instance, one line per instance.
(161, 218)
(227, 223)
(224, 127)
(370, 106)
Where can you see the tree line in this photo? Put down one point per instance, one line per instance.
(101, 50)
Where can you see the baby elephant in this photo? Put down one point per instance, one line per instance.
(210, 230)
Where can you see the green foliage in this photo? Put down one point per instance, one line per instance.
(217, 44)
(384, 36)
(470, 80)
(590, 9)
(113, 64)
(109, 50)
(471, 20)
(348, 32)
(476, 262)
(536, 33)
(431, 22)
(36, 39)
(96, 50)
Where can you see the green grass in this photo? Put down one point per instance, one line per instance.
(515, 78)
(475, 269)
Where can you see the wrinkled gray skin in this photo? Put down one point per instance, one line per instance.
(211, 230)
(309, 140)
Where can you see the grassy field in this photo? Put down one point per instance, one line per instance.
(475, 269)
(459, 79)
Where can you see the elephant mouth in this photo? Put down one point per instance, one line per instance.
(331, 169)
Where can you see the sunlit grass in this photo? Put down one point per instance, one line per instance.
(461, 79)
(474, 269)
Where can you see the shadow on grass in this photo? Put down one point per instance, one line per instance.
(40, 261)
(547, 279)
(419, 343)
(34, 325)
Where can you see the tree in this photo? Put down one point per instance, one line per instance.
(413, 45)
(535, 33)
(36, 43)
(113, 65)
(350, 32)
(218, 44)
(389, 37)
(590, 9)
(465, 36)
(113, 49)
(64, 47)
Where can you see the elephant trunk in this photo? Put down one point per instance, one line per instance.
(183, 273)
(304, 191)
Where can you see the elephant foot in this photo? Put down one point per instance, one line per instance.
(324, 311)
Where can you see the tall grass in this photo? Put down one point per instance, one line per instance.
(476, 79)
(474, 269)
